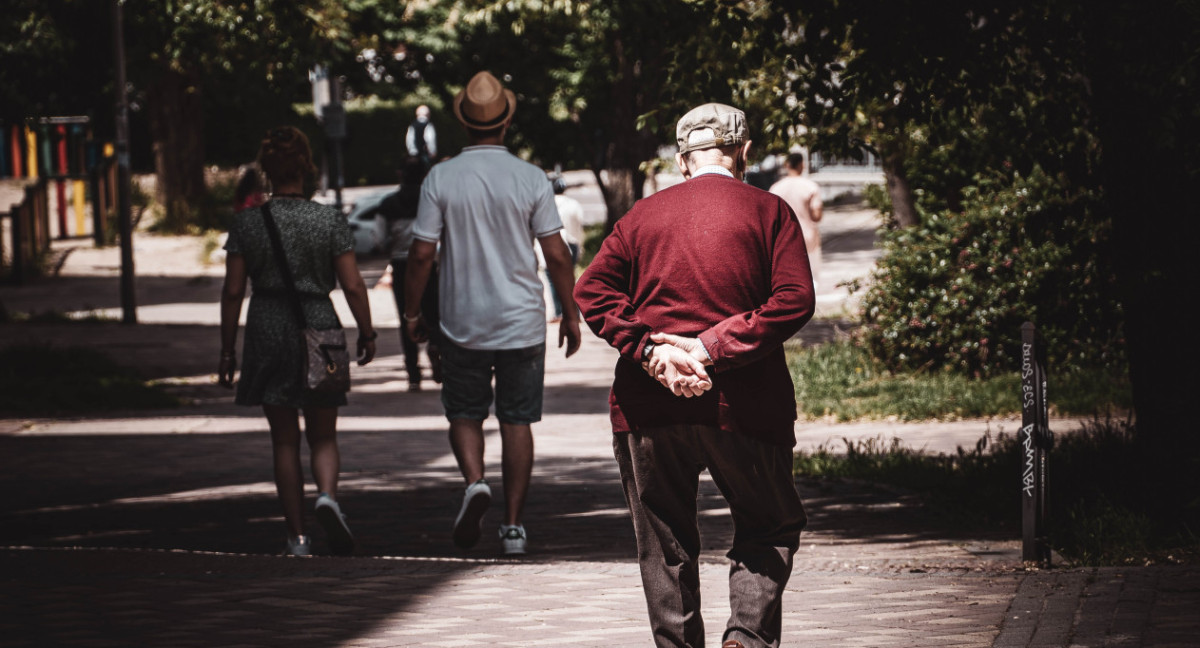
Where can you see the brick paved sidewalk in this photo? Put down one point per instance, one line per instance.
(156, 530)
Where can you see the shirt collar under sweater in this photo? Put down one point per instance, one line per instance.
(713, 168)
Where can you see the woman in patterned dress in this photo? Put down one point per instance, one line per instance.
(319, 247)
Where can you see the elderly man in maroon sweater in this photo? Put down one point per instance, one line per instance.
(698, 286)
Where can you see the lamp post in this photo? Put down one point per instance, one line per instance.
(124, 185)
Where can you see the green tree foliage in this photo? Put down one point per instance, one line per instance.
(952, 292)
(941, 93)
(39, 54)
(981, 116)
(181, 50)
(599, 84)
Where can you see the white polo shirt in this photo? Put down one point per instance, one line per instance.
(486, 206)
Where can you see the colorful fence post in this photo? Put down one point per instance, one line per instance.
(79, 169)
(47, 162)
(31, 153)
(15, 146)
(1036, 440)
(60, 183)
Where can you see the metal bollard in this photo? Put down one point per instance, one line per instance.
(1036, 440)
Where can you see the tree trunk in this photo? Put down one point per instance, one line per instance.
(904, 208)
(1148, 171)
(620, 192)
(176, 110)
(626, 148)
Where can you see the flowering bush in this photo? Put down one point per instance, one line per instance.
(952, 293)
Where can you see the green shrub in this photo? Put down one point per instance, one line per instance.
(876, 197)
(593, 238)
(952, 292)
(1112, 499)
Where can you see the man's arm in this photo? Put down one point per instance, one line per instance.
(410, 141)
(602, 293)
(431, 140)
(816, 208)
(746, 337)
(562, 275)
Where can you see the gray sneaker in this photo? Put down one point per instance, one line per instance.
(513, 538)
(298, 546)
(329, 514)
(468, 524)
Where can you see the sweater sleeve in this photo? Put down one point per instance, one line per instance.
(746, 337)
(603, 294)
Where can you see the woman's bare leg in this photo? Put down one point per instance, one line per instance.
(289, 474)
(320, 426)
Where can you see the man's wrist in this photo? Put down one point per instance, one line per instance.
(648, 348)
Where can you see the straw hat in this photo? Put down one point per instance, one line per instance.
(484, 104)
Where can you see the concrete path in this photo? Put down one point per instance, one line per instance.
(158, 528)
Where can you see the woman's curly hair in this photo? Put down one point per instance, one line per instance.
(286, 157)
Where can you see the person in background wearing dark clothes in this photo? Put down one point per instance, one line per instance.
(698, 287)
(571, 213)
(319, 248)
(400, 210)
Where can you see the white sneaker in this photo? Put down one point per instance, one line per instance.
(329, 514)
(468, 524)
(513, 538)
(298, 546)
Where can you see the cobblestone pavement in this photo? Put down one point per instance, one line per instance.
(159, 528)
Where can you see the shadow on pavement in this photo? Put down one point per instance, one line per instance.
(213, 492)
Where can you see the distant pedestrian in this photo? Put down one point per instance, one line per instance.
(486, 206)
(698, 287)
(421, 138)
(400, 211)
(804, 197)
(318, 247)
(571, 213)
(249, 191)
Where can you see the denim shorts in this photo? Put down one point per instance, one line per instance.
(467, 383)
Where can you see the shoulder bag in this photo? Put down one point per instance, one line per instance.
(326, 358)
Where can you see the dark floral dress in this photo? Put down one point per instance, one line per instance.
(272, 347)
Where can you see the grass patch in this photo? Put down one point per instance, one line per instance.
(841, 381)
(1112, 502)
(43, 380)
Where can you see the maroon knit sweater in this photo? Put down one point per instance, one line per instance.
(712, 258)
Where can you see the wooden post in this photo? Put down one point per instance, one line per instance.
(15, 148)
(60, 183)
(1036, 441)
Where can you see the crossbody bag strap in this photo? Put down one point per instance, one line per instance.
(284, 269)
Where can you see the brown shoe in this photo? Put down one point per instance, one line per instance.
(732, 644)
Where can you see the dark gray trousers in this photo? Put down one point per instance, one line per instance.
(660, 472)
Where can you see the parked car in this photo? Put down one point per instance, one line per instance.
(368, 226)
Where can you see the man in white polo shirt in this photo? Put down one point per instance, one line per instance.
(485, 207)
